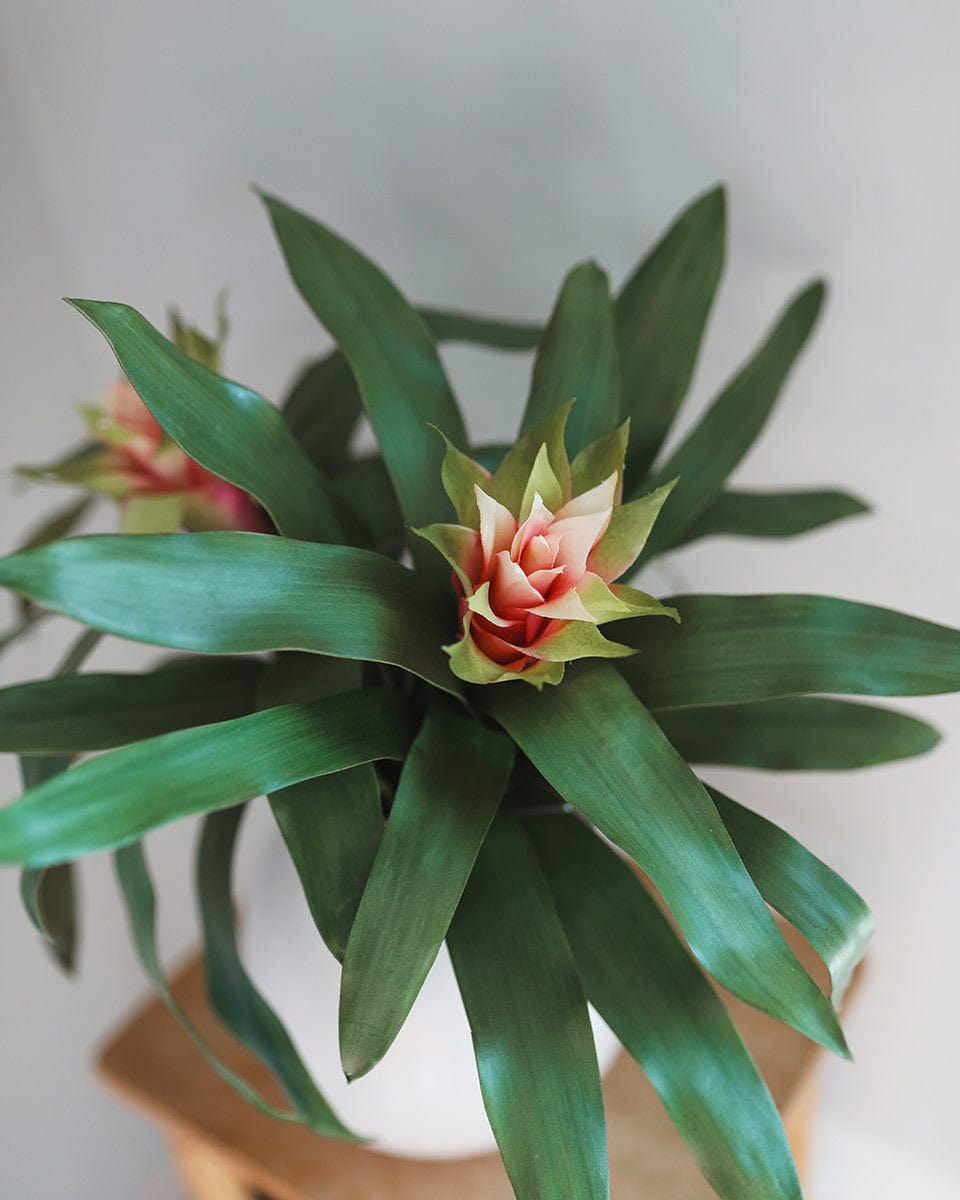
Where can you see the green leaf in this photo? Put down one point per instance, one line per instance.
(114, 799)
(528, 1015)
(461, 475)
(509, 482)
(452, 783)
(231, 992)
(493, 332)
(598, 747)
(324, 405)
(598, 461)
(661, 314)
(332, 825)
(225, 427)
(734, 649)
(391, 353)
(75, 713)
(770, 514)
(49, 896)
(804, 890)
(49, 893)
(237, 593)
(322, 411)
(490, 455)
(730, 426)
(578, 357)
(639, 977)
(628, 532)
(141, 904)
(795, 733)
(366, 490)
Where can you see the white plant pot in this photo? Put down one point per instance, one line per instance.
(423, 1100)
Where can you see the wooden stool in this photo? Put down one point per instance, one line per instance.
(225, 1150)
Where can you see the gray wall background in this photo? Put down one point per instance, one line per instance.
(477, 151)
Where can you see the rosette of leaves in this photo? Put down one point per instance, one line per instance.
(418, 807)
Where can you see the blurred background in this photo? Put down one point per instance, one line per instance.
(476, 151)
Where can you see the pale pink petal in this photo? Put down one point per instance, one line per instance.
(597, 499)
(567, 607)
(574, 537)
(536, 524)
(497, 525)
(510, 588)
(537, 555)
(543, 581)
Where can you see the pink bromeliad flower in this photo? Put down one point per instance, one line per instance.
(139, 462)
(536, 554)
(158, 486)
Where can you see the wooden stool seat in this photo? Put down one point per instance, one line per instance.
(226, 1150)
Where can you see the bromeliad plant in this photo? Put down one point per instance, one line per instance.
(412, 664)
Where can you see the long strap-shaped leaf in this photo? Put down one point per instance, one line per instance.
(140, 902)
(324, 405)
(594, 742)
(332, 824)
(322, 411)
(578, 358)
(225, 427)
(795, 733)
(449, 325)
(49, 894)
(804, 890)
(231, 991)
(770, 514)
(391, 353)
(75, 713)
(731, 424)
(734, 649)
(452, 783)
(639, 977)
(235, 593)
(661, 314)
(114, 799)
(531, 1033)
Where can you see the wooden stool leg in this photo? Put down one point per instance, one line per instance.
(204, 1173)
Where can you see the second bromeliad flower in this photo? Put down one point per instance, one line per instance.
(535, 556)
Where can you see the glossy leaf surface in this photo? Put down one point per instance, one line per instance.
(231, 991)
(600, 749)
(114, 799)
(391, 353)
(531, 1033)
(662, 310)
(74, 713)
(235, 593)
(451, 785)
(710, 452)
(224, 426)
(770, 514)
(804, 890)
(331, 825)
(795, 733)
(322, 411)
(640, 978)
(735, 649)
(578, 358)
